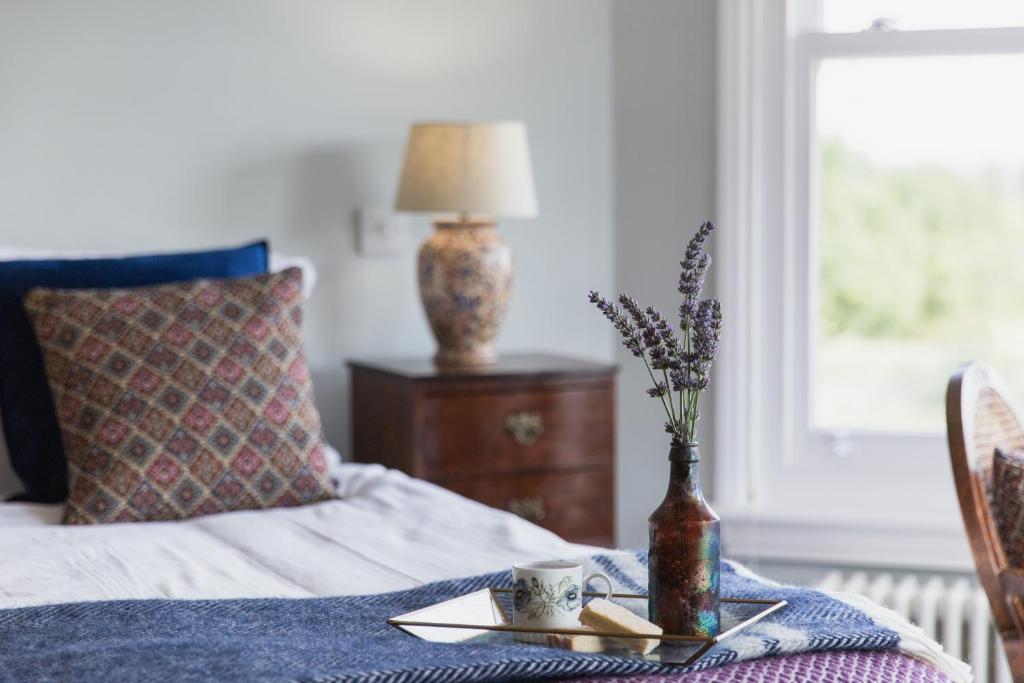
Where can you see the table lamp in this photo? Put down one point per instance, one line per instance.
(467, 174)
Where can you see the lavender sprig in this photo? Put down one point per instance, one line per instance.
(658, 390)
(694, 266)
(684, 363)
(666, 337)
(648, 331)
(630, 339)
(707, 327)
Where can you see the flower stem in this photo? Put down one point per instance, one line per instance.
(693, 414)
(671, 405)
(688, 431)
(664, 405)
(682, 413)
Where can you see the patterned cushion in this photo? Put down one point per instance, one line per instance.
(31, 430)
(182, 400)
(1008, 503)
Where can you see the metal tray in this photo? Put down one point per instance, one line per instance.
(481, 617)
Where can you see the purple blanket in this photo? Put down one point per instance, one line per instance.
(813, 667)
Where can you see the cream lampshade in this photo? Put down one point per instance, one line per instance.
(477, 171)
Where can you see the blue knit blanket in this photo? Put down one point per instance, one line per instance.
(347, 639)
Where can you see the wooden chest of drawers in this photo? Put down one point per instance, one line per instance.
(534, 435)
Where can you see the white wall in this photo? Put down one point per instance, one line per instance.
(664, 104)
(170, 124)
(188, 123)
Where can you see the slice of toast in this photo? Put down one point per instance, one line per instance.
(604, 615)
(576, 643)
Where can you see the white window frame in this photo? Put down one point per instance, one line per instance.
(787, 492)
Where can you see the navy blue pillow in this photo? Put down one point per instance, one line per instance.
(26, 404)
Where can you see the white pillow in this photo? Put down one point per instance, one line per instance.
(9, 482)
(279, 262)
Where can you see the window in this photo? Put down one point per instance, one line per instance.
(871, 180)
(846, 16)
(920, 163)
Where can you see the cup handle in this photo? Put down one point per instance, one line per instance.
(603, 577)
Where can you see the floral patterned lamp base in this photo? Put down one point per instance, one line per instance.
(465, 276)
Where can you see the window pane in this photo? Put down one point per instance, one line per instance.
(848, 16)
(921, 242)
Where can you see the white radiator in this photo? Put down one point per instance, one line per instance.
(952, 611)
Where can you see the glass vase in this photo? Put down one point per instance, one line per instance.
(685, 561)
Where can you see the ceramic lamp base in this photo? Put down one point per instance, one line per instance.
(454, 358)
(465, 276)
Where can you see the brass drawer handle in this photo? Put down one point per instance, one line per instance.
(530, 509)
(525, 427)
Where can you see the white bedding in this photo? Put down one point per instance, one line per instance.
(387, 532)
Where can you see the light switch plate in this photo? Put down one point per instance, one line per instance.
(379, 232)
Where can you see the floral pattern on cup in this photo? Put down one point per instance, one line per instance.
(542, 599)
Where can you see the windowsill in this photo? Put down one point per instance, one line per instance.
(832, 542)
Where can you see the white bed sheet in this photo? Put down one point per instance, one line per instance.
(386, 532)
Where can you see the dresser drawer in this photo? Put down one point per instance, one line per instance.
(522, 431)
(577, 506)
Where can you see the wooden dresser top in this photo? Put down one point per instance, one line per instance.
(509, 365)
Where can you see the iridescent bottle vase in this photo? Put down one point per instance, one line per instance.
(685, 561)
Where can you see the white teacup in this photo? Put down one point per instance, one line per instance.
(549, 595)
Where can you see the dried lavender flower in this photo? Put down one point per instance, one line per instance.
(695, 262)
(630, 338)
(650, 333)
(684, 363)
(666, 334)
(658, 390)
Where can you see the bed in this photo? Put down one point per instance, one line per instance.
(298, 584)
(386, 532)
